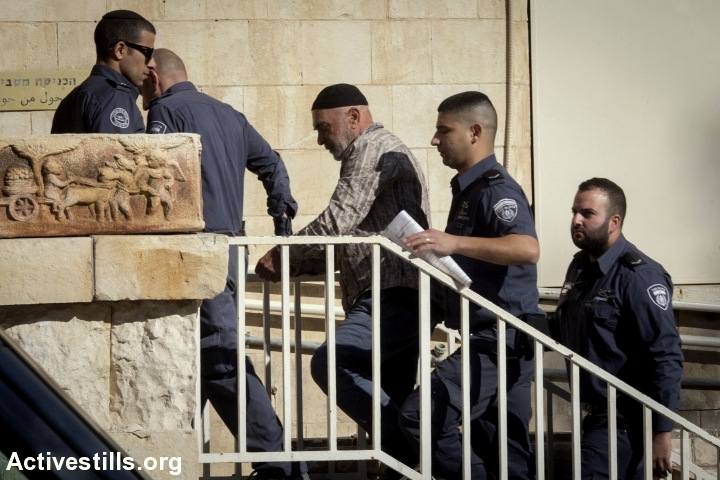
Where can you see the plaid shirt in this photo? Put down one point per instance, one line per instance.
(379, 177)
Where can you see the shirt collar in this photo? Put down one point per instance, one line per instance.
(351, 147)
(116, 77)
(610, 256)
(179, 87)
(462, 180)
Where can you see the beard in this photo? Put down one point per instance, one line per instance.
(337, 148)
(593, 242)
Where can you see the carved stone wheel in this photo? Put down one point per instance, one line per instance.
(22, 208)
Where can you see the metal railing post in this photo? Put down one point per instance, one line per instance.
(466, 382)
(376, 359)
(298, 366)
(240, 444)
(330, 342)
(612, 432)
(424, 373)
(285, 320)
(502, 398)
(576, 419)
(539, 411)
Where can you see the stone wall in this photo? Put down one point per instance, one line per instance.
(120, 340)
(270, 58)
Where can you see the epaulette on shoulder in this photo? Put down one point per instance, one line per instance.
(633, 259)
(492, 176)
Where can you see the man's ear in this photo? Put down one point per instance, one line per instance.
(118, 51)
(353, 116)
(154, 80)
(476, 131)
(615, 223)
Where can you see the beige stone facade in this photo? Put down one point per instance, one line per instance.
(269, 58)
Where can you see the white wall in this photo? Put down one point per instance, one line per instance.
(630, 91)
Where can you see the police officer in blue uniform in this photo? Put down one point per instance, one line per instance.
(230, 145)
(106, 101)
(615, 310)
(491, 235)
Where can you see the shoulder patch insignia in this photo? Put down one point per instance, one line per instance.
(493, 175)
(157, 127)
(120, 118)
(659, 295)
(633, 259)
(506, 209)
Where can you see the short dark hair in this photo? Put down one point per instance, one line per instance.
(463, 100)
(472, 107)
(617, 204)
(119, 26)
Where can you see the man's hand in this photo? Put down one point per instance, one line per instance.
(268, 267)
(434, 240)
(661, 449)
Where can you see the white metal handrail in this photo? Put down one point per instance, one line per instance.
(541, 342)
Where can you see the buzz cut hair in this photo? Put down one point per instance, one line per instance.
(119, 26)
(617, 203)
(168, 62)
(471, 107)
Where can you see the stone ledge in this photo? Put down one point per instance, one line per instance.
(46, 270)
(160, 267)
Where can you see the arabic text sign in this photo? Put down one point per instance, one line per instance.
(37, 89)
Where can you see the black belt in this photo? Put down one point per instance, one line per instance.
(601, 411)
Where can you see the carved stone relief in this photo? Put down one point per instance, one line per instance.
(55, 185)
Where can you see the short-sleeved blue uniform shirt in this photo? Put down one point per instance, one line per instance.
(106, 102)
(487, 202)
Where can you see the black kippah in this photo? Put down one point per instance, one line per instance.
(123, 15)
(339, 95)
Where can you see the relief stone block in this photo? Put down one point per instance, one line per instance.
(62, 185)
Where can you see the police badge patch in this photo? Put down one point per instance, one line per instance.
(120, 118)
(659, 295)
(506, 209)
(157, 127)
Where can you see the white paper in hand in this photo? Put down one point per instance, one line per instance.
(402, 226)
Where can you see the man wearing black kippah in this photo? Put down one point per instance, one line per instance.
(379, 177)
(106, 101)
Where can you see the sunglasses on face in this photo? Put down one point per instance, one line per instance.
(147, 51)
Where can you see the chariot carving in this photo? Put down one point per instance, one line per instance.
(90, 184)
(141, 170)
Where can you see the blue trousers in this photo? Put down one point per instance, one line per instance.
(218, 365)
(594, 450)
(399, 357)
(446, 414)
